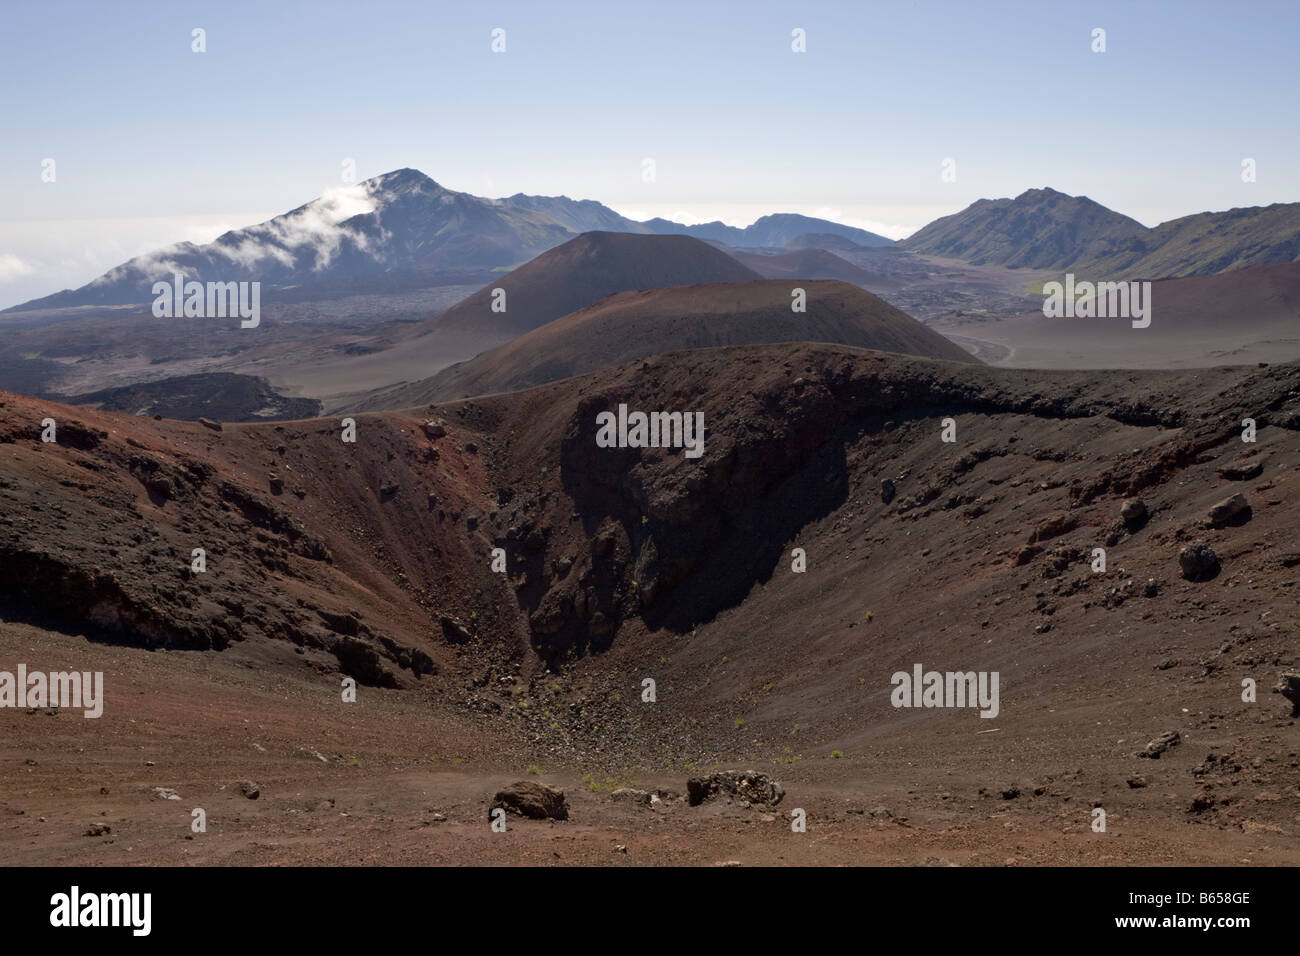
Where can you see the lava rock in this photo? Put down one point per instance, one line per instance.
(1241, 469)
(1198, 561)
(1133, 512)
(1232, 508)
(1289, 687)
(536, 801)
(747, 785)
(1170, 738)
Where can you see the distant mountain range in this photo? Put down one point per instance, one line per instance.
(403, 224)
(403, 231)
(1046, 229)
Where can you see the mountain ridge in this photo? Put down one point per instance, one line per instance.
(398, 222)
(1047, 229)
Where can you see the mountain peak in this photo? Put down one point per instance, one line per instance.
(403, 179)
(1041, 228)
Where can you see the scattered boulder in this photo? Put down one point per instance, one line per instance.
(1133, 512)
(1198, 561)
(99, 829)
(631, 795)
(160, 485)
(1203, 801)
(536, 801)
(360, 659)
(166, 793)
(1136, 782)
(1289, 687)
(1170, 738)
(434, 429)
(748, 786)
(1233, 508)
(249, 789)
(276, 482)
(1241, 468)
(887, 490)
(209, 423)
(1056, 525)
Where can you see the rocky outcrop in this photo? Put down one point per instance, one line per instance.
(749, 787)
(536, 801)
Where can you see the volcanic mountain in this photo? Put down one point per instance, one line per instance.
(582, 271)
(1208, 243)
(399, 231)
(639, 324)
(1039, 229)
(1046, 229)
(559, 281)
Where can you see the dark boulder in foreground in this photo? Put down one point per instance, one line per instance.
(536, 801)
(749, 786)
(1198, 561)
(1232, 508)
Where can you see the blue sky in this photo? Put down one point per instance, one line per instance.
(154, 143)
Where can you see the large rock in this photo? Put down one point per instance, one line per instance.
(1289, 687)
(749, 786)
(1232, 508)
(1241, 468)
(1133, 512)
(536, 801)
(1198, 561)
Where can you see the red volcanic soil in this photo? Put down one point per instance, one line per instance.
(374, 559)
(1239, 317)
(633, 325)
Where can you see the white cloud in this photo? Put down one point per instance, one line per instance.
(316, 226)
(12, 268)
